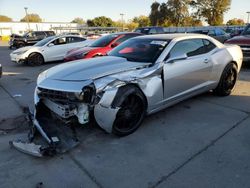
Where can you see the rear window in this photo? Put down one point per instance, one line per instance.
(104, 41)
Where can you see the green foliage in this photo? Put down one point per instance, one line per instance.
(5, 19)
(78, 21)
(142, 21)
(101, 21)
(31, 18)
(212, 11)
(236, 21)
(188, 12)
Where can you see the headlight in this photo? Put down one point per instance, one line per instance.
(81, 55)
(20, 52)
(80, 96)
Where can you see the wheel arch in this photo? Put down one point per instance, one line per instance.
(125, 91)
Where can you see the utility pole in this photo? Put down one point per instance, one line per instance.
(248, 17)
(27, 16)
(122, 21)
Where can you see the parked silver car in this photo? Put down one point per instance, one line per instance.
(139, 77)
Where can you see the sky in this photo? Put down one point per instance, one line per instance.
(67, 10)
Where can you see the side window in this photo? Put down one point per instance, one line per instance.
(209, 46)
(59, 41)
(74, 39)
(211, 32)
(124, 38)
(152, 31)
(39, 34)
(191, 47)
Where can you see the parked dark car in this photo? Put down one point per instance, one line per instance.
(150, 30)
(28, 38)
(216, 33)
(243, 40)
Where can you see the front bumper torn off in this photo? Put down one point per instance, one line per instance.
(43, 142)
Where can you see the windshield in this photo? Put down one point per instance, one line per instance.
(44, 41)
(103, 41)
(142, 30)
(140, 50)
(246, 31)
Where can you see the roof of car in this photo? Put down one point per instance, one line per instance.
(171, 36)
(126, 33)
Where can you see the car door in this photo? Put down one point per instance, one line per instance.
(54, 51)
(188, 74)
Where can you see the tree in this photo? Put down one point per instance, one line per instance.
(178, 11)
(212, 11)
(5, 19)
(131, 25)
(78, 21)
(101, 21)
(142, 21)
(154, 15)
(31, 18)
(236, 21)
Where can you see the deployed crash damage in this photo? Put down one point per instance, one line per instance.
(139, 77)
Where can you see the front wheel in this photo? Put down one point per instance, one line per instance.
(131, 113)
(227, 81)
(35, 59)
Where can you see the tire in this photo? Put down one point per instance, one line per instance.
(35, 59)
(227, 81)
(129, 117)
(20, 45)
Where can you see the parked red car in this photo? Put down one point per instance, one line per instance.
(100, 47)
(243, 41)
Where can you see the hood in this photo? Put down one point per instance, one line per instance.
(241, 39)
(26, 48)
(91, 69)
(81, 50)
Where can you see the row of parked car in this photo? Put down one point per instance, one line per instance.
(73, 47)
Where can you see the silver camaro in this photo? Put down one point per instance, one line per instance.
(141, 76)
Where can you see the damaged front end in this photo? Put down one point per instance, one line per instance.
(53, 126)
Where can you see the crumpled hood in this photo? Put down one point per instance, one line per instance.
(91, 69)
(241, 39)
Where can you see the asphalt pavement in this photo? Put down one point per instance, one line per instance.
(201, 142)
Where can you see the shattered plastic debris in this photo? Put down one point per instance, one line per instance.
(29, 148)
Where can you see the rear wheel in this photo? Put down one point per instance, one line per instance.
(35, 59)
(131, 113)
(227, 80)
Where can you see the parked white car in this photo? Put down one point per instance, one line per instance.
(53, 48)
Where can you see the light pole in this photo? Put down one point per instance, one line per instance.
(27, 16)
(122, 21)
(248, 16)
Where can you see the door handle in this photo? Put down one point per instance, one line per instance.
(206, 60)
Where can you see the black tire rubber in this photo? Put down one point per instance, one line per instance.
(132, 110)
(20, 45)
(35, 59)
(227, 81)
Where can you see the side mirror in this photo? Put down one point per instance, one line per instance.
(50, 44)
(176, 58)
(114, 45)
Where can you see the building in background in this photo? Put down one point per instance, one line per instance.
(8, 28)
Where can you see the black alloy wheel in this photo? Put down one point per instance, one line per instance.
(35, 59)
(130, 115)
(227, 81)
